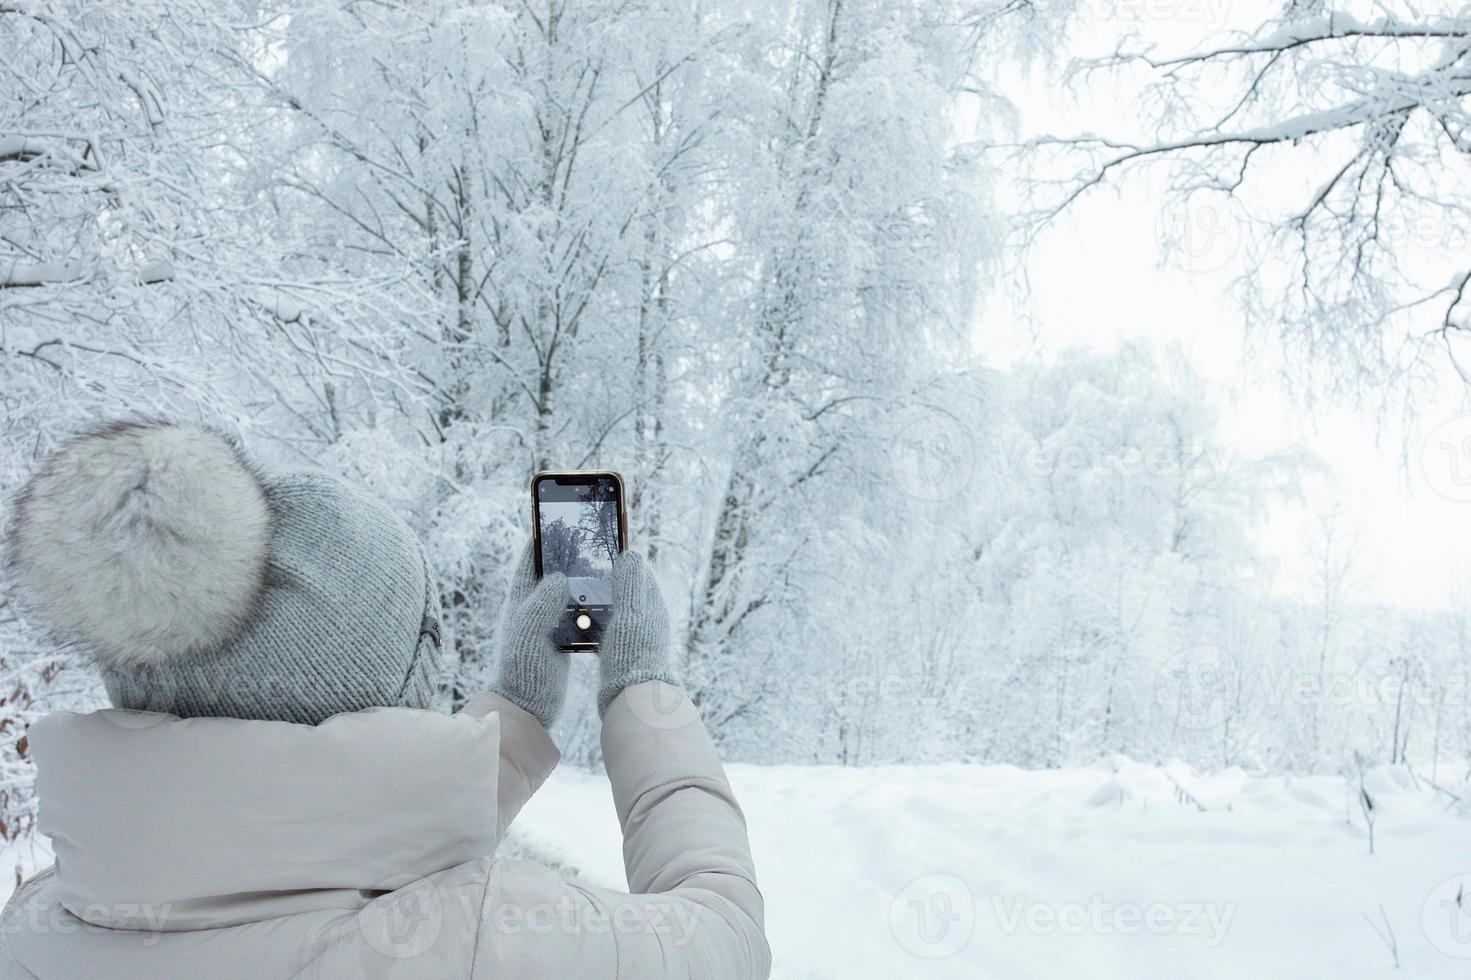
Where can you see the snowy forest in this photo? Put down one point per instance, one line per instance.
(737, 252)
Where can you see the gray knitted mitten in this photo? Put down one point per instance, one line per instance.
(533, 672)
(635, 646)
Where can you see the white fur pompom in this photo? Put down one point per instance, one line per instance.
(143, 542)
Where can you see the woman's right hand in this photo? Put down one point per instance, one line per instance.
(635, 646)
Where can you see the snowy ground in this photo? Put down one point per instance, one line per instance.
(993, 871)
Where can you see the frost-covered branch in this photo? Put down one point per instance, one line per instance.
(1367, 266)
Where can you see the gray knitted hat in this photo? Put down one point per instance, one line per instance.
(201, 587)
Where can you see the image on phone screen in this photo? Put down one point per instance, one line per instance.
(579, 533)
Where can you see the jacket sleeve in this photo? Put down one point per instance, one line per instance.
(685, 848)
(692, 909)
(527, 755)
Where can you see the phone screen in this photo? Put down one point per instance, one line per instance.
(579, 533)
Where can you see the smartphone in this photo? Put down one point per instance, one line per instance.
(579, 525)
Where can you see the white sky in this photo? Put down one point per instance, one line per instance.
(1106, 273)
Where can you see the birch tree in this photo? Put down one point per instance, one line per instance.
(855, 221)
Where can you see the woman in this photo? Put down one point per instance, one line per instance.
(270, 795)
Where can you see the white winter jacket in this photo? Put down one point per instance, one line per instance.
(365, 847)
